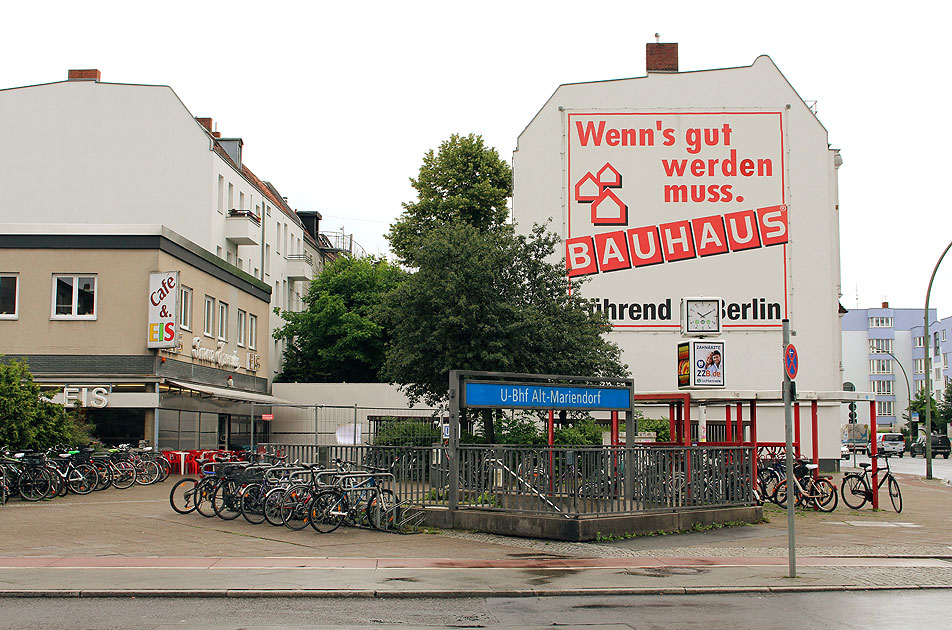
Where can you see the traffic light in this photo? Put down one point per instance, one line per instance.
(852, 407)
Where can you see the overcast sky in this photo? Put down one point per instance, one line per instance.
(338, 102)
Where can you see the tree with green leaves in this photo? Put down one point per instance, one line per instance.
(489, 300)
(28, 419)
(919, 405)
(465, 181)
(338, 336)
(943, 412)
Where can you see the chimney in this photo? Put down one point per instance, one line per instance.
(661, 57)
(885, 304)
(84, 75)
(205, 122)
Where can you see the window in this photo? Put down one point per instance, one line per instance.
(231, 196)
(241, 201)
(268, 210)
(185, 316)
(267, 260)
(209, 327)
(223, 321)
(253, 332)
(240, 331)
(277, 240)
(881, 387)
(920, 342)
(884, 408)
(880, 366)
(945, 360)
(221, 195)
(879, 346)
(935, 343)
(880, 322)
(9, 296)
(74, 297)
(919, 366)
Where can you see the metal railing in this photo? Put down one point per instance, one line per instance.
(572, 482)
(305, 257)
(247, 214)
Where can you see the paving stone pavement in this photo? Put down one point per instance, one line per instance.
(138, 523)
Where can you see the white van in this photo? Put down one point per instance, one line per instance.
(890, 444)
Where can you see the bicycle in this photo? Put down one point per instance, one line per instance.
(857, 489)
(818, 492)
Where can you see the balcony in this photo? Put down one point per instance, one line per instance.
(242, 227)
(300, 267)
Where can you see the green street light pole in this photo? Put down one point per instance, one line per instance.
(928, 345)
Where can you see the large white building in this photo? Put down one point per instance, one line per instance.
(714, 183)
(108, 171)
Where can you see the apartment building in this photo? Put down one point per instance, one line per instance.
(884, 351)
(106, 183)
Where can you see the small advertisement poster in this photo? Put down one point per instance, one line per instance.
(700, 364)
(163, 309)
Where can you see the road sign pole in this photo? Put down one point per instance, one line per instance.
(791, 477)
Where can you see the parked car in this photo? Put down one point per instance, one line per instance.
(845, 452)
(890, 444)
(940, 446)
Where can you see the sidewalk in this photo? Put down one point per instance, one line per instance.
(124, 543)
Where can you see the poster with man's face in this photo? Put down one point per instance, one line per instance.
(700, 364)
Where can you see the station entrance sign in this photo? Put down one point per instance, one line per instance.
(524, 396)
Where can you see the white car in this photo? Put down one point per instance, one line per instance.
(844, 452)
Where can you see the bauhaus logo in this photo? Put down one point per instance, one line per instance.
(599, 189)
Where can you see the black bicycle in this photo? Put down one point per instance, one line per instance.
(857, 487)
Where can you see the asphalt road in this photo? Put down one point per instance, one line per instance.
(843, 610)
(941, 468)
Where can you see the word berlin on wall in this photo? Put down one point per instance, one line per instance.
(673, 204)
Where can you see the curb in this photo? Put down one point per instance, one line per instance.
(436, 594)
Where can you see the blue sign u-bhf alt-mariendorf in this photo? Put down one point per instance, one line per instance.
(516, 396)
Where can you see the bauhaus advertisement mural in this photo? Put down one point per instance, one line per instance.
(667, 204)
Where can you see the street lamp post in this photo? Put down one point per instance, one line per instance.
(927, 346)
(908, 390)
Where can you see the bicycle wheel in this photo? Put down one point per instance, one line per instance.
(382, 510)
(326, 511)
(34, 484)
(104, 476)
(204, 494)
(182, 496)
(272, 507)
(855, 491)
(147, 473)
(82, 479)
(123, 475)
(252, 504)
(294, 506)
(165, 468)
(771, 482)
(227, 501)
(825, 497)
(894, 494)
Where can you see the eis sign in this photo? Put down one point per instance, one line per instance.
(662, 205)
(700, 364)
(163, 309)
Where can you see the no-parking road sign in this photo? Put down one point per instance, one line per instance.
(790, 361)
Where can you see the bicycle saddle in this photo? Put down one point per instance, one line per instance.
(864, 465)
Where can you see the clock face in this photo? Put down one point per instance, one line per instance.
(703, 316)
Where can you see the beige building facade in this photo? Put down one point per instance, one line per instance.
(80, 319)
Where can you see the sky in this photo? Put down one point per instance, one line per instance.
(337, 103)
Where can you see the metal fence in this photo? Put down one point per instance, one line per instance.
(568, 481)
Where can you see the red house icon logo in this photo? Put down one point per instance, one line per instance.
(596, 189)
